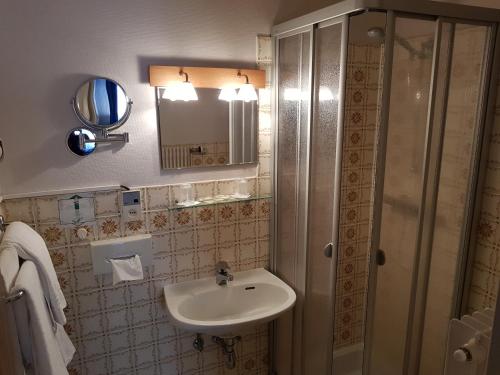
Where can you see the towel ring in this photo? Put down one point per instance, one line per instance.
(3, 224)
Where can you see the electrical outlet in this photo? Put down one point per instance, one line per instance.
(131, 205)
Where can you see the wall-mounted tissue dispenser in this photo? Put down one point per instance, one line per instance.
(118, 248)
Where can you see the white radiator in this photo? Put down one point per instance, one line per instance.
(178, 156)
(468, 344)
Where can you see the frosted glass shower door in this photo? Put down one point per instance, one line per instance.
(291, 169)
(307, 185)
(326, 133)
(402, 193)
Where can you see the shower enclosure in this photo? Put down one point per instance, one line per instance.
(381, 116)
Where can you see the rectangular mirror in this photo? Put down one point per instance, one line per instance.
(207, 132)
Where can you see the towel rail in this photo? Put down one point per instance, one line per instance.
(13, 297)
(3, 224)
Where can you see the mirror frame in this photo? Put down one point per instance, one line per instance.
(102, 128)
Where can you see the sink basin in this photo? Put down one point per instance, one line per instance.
(253, 297)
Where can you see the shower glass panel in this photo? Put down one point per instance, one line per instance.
(292, 130)
(402, 195)
(468, 47)
(361, 122)
(292, 117)
(318, 309)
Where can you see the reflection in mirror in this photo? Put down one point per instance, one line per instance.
(78, 141)
(207, 132)
(102, 103)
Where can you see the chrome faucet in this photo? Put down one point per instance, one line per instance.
(222, 275)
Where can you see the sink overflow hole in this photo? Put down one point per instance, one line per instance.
(249, 288)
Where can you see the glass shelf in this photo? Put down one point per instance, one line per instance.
(221, 199)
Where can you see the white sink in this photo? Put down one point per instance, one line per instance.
(253, 297)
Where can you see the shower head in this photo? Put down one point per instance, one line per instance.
(378, 34)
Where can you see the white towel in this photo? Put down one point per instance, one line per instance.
(30, 246)
(46, 351)
(9, 268)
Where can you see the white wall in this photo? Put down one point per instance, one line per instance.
(48, 48)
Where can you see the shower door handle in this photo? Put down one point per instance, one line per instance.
(380, 257)
(328, 250)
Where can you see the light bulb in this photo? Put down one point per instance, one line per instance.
(247, 93)
(326, 94)
(228, 94)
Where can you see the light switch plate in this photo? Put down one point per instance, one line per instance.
(131, 205)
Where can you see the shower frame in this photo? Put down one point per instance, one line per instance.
(423, 9)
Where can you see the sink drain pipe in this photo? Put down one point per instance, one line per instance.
(227, 344)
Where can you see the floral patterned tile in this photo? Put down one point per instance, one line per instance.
(183, 218)
(227, 213)
(247, 210)
(134, 227)
(205, 215)
(159, 221)
(61, 258)
(264, 209)
(109, 227)
(53, 234)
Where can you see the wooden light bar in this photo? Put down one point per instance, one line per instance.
(213, 78)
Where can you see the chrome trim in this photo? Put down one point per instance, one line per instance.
(3, 224)
(13, 297)
(378, 191)
(422, 7)
(98, 128)
(488, 104)
(427, 209)
(302, 242)
(273, 339)
(337, 192)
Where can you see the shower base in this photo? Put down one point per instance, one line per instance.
(348, 360)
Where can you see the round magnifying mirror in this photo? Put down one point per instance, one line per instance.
(80, 141)
(102, 104)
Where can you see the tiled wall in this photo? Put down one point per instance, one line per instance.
(124, 329)
(361, 123)
(212, 154)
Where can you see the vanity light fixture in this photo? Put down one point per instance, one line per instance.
(181, 90)
(247, 91)
(228, 94)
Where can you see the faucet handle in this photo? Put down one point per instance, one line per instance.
(222, 266)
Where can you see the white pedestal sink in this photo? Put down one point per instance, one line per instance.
(253, 297)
